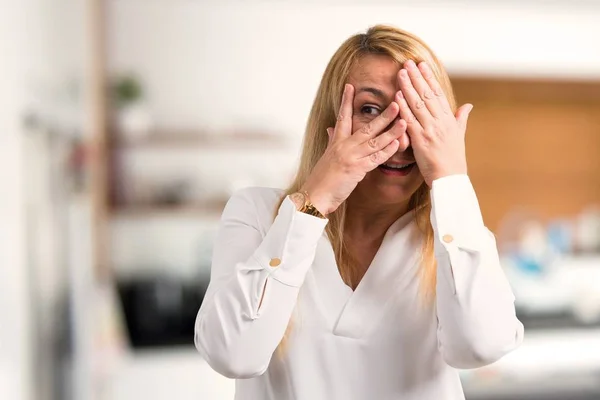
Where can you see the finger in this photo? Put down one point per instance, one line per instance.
(413, 127)
(423, 90)
(378, 143)
(343, 126)
(462, 115)
(330, 135)
(377, 125)
(376, 159)
(415, 103)
(435, 87)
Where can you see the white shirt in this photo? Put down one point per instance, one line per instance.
(377, 342)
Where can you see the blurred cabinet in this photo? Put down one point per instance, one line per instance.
(532, 144)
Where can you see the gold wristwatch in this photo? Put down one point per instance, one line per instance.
(303, 204)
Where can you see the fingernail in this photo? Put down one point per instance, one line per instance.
(399, 94)
(410, 63)
(425, 66)
(403, 73)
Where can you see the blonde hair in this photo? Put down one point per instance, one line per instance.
(400, 46)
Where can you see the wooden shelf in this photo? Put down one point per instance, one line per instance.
(198, 140)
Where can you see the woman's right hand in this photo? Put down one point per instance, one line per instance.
(350, 155)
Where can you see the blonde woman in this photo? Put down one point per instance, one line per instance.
(373, 275)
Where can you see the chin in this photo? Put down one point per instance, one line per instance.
(396, 190)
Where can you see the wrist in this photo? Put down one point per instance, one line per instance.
(319, 200)
(445, 173)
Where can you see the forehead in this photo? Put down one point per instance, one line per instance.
(374, 69)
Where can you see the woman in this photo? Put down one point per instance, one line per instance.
(373, 274)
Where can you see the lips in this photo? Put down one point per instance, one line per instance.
(397, 169)
(398, 164)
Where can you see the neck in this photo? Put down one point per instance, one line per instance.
(369, 218)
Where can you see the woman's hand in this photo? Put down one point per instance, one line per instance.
(436, 135)
(349, 156)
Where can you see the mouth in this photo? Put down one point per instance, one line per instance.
(396, 169)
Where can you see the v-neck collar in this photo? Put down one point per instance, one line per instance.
(354, 311)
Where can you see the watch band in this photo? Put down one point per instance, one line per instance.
(308, 207)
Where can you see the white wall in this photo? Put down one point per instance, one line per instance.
(15, 362)
(38, 43)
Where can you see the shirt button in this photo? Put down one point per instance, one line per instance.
(448, 238)
(274, 262)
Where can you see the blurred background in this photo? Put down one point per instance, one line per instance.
(126, 124)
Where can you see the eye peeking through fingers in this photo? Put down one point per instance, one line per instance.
(370, 110)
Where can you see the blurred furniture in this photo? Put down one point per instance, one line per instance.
(532, 144)
(160, 310)
(168, 191)
(551, 364)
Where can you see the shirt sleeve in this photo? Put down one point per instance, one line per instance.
(477, 323)
(255, 280)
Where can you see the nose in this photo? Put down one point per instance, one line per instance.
(404, 143)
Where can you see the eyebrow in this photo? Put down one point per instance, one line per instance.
(376, 92)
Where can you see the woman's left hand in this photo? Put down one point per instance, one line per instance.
(437, 135)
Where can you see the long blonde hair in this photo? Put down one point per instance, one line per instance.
(400, 46)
